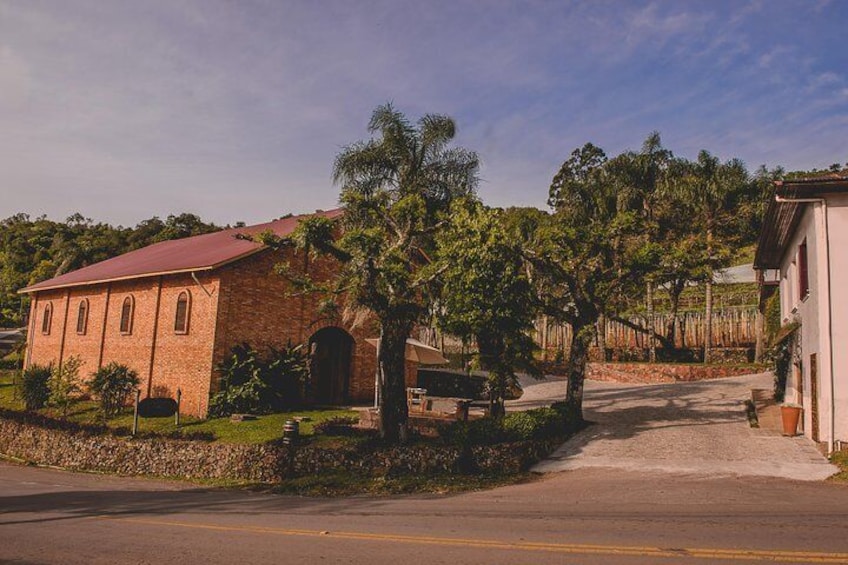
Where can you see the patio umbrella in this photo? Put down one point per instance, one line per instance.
(415, 351)
(418, 352)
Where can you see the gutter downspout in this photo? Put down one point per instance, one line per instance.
(153, 340)
(64, 328)
(824, 241)
(33, 311)
(200, 284)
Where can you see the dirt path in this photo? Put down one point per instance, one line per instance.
(694, 428)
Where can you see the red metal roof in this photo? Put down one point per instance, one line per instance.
(197, 253)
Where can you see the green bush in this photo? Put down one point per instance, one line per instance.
(34, 387)
(64, 383)
(537, 424)
(259, 384)
(112, 385)
(10, 362)
(541, 423)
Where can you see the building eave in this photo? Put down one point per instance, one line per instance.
(205, 268)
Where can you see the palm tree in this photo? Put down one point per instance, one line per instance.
(710, 187)
(397, 188)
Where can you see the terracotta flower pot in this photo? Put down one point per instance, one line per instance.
(790, 415)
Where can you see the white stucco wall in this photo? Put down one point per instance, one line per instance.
(805, 311)
(837, 219)
(823, 315)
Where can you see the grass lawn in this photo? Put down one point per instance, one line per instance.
(840, 459)
(264, 428)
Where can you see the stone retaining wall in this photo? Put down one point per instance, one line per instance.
(662, 372)
(267, 463)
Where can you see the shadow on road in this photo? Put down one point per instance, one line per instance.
(75, 504)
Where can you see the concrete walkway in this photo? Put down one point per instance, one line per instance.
(692, 428)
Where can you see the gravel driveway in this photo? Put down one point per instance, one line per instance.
(693, 428)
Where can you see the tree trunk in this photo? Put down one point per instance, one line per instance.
(674, 292)
(578, 353)
(544, 340)
(394, 412)
(491, 350)
(652, 344)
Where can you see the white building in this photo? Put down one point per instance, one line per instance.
(805, 239)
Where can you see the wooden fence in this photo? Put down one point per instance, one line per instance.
(732, 328)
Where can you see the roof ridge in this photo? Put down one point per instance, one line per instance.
(201, 252)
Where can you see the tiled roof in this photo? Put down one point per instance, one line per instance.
(197, 253)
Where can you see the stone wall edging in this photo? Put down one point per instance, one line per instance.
(264, 463)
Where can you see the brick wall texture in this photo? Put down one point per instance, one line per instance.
(243, 302)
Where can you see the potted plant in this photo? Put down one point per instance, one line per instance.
(790, 414)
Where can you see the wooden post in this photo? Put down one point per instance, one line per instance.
(135, 412)
(177, 414)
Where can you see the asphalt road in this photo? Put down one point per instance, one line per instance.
(580, 516)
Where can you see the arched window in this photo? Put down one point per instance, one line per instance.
(47, 319)
(183, 313)
(82, 316)
(127, 315)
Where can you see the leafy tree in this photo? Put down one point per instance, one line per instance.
(590, 254)
(64, 383)
(396, 188)
(639, 176)
(486, 294)
(112, 385)
(710, 186)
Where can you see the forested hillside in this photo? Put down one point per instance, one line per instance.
(33, 250)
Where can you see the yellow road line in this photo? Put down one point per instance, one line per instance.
(586, 549)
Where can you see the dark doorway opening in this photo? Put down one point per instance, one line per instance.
(331, 353)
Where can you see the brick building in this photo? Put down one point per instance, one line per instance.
(173, 310)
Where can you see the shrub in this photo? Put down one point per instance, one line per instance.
(541, 423)
(34, 387)
(112, 385)
(257, 384)
(10, 362)
(64, 383)
(537, 424)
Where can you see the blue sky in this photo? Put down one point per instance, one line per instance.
(235, 109)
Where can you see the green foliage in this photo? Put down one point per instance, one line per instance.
(782, 355)
(396, 189)
(112, 385)
(772, 316)
(536, 424)
(32, 250)
(253, 383)
(10, 363)
(486, 294)
(64, 383)
(34, 389)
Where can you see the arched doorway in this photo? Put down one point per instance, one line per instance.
(331, 350)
